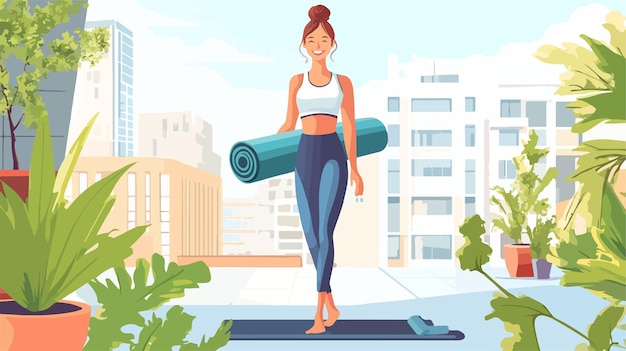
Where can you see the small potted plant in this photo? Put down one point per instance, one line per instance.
(54, 248)
(519, 202)
(540, 238)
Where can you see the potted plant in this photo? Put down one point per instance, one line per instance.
(592, 257)
(519, 202)
(35, 44)
(540, 238)
(54, 248)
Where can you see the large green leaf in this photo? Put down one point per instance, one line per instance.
(518, 315)
(474, 253)
(122, 304)
(41, 179)
(172, 332)
(66, 169)
(218, 340)
(597, 75)
(599, 163)
(599, 332)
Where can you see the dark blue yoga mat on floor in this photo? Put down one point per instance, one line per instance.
(273, 155)
(344, 329)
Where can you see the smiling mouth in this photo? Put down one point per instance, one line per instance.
(318, 52)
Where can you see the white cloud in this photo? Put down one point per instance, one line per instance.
(167, 77)
(516, 63)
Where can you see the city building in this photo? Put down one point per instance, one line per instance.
(164, 135)
(57, 92)
(247, 229)
(182, 204)
(453, 129)
(107, 89)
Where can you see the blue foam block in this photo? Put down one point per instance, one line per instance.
(422, 327)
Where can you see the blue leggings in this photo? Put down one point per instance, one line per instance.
(321, 180)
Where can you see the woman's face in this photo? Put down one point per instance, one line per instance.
(318, 44)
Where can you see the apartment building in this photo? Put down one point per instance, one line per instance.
(521, 108)
(182, 204)
(165, 134)
(453, 129)
(107, 89)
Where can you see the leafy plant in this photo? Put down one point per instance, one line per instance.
(123, 303)
(520, 312)
(540, 237)
(54, 248)
(22, 32)
(522, 199)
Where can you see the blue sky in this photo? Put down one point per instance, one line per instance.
(229, 62)
(366, 31)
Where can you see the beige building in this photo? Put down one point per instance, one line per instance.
(165, 134)
(182, 204)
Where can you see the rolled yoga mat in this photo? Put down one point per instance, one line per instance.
(273, 155)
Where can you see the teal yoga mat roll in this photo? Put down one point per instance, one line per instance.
(273, 155)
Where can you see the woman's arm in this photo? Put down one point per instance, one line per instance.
(292, 107)
(347, 119)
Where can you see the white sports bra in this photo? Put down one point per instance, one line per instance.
(319, 100)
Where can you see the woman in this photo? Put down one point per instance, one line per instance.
(321, 172)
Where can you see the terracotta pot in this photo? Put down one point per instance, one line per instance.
(4, 295)
(518, 260)
(542, 268)
(17, 180)
(62, 327)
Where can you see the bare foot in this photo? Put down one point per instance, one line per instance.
(318, 328)
(333, 315)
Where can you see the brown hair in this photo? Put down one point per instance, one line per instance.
(319, 14)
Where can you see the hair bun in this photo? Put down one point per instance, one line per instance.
(319, 13)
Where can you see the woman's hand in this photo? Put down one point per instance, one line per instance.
(357, 181)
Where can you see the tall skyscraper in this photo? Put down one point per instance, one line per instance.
(107, 89)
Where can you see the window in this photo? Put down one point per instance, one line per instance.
(509, 137)
(132, 184)
(431, 168)
(393, 214)
(394, 134)
(431, 247)
(393, 245)
(82, 182)
(470, 206)
(431, 138)
(164, 185)
(393, 104)
(510, 108)
(470, 135)
(564, 116)
(431, 105)
(536, 113)
(95, 93)
(565, 189)
(164, 132)
(470, 176)
(506, 169)
(470, 104)
(431, 206)
(393, 172)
